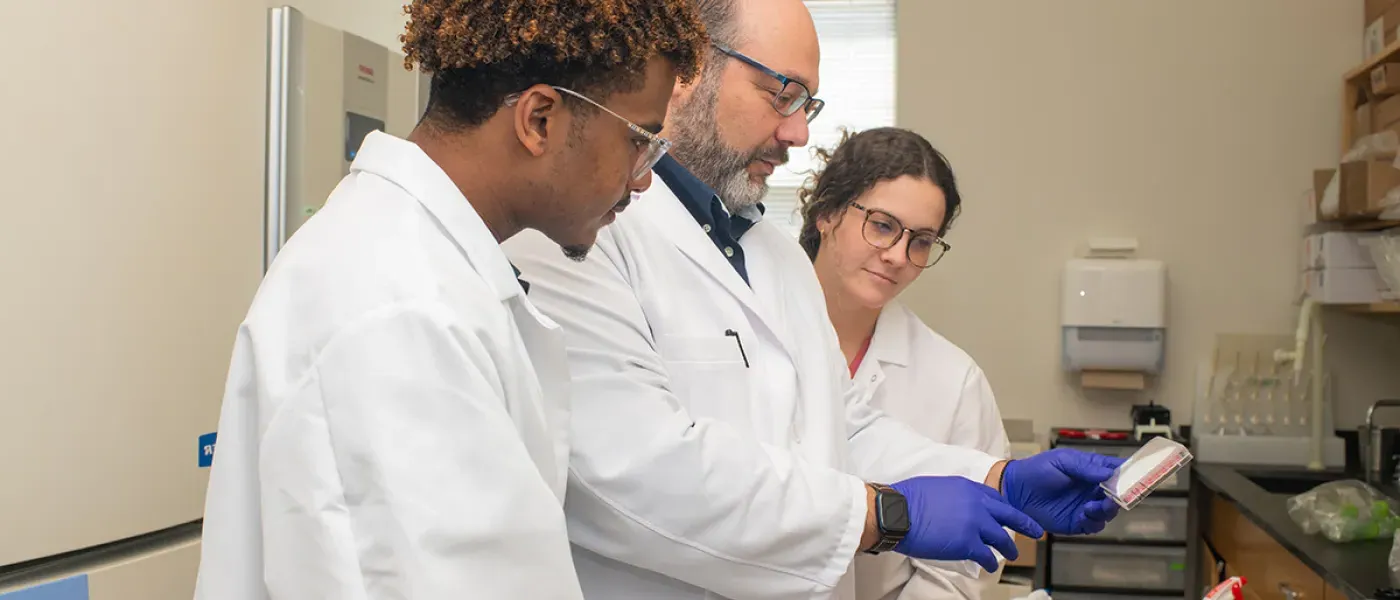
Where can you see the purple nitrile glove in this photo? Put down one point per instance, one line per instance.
(954, 518)
(1060, 490)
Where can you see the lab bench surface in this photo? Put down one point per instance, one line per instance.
(1356, 569)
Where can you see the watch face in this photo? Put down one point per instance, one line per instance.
(894, 513)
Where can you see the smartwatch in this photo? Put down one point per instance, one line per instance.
(891, 518)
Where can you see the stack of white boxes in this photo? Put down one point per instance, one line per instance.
(1337, 269)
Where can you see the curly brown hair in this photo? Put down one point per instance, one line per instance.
(858, 163)
(480, 51)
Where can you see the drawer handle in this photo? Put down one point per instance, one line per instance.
(1288, 592)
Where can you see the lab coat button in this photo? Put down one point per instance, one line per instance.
(729, 252)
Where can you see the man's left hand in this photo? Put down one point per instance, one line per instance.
(1060, 490)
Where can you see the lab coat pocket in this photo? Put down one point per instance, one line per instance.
(709, 375)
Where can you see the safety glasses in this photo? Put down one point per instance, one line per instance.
(883, 230)
(792, 97)
(652, 149)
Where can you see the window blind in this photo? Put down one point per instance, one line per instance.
(857, 82)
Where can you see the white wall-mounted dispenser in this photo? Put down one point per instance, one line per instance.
(1113, 316)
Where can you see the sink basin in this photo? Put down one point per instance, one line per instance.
(1292, 482)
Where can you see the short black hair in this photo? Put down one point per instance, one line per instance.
(480, 51)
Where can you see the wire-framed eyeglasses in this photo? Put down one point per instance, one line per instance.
(653, 146)
(792, 97)
(883, 230)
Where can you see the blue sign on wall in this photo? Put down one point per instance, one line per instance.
(206, 449)
(72, 588)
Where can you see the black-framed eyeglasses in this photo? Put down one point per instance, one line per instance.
(883, 230)
(656, 146)
(792, 97)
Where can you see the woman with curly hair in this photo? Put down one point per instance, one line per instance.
(874, 219)
(395, 422)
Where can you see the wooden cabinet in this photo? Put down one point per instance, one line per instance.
(1272, 572)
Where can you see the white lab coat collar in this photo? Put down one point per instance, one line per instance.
(672, 217)
(891, 344)
(404, 164)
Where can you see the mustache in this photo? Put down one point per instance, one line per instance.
(777, 155)
(626, 200)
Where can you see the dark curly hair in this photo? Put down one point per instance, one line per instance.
(480, 51)
(862, 160)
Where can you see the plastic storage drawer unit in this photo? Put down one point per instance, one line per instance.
(1097, 596)
(1160, 519)
(1115, 566)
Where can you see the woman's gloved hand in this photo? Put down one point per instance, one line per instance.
(1060, 490)
(953, 518)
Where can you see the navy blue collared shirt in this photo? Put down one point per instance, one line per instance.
(707, 208)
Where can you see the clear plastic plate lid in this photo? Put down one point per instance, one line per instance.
(1146, 469)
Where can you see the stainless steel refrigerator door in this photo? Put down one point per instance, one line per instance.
(327, 89)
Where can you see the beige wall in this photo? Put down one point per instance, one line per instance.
(379, 21)
(1191, 125)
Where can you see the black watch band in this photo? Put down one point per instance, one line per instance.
(891, 518)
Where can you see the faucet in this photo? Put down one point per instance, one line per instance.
(1371, 441)
(1371, 412)
(1309, 330)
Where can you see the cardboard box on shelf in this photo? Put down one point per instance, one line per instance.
(1361, 122)
(1346, 286)
(1337, 250)
(1381, 30)
(1375, 9)
(1385, 113)
(1322, 178)
(1385, 79)
(1364, 184)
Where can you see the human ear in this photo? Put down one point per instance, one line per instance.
(537, 118)
(826, 224)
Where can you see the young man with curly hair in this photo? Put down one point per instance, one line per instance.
(395, 423)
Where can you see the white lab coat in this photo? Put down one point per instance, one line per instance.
(395, 419)
(690, 471)
(922, 379)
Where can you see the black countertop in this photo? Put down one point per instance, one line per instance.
(1357, 569)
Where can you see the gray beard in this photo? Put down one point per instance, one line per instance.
(698, 146)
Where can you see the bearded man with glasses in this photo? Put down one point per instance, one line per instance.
(720, 450)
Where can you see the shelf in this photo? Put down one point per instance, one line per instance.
(1356, 88)
(1380, 308)
(1362, 73)
(1090, 540)
(1368, 225)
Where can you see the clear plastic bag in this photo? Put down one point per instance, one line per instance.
(1385, 144)
(1385, 252)
(1395, 562)
(1344, 511)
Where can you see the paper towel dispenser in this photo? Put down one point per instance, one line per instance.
(1113, 315)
